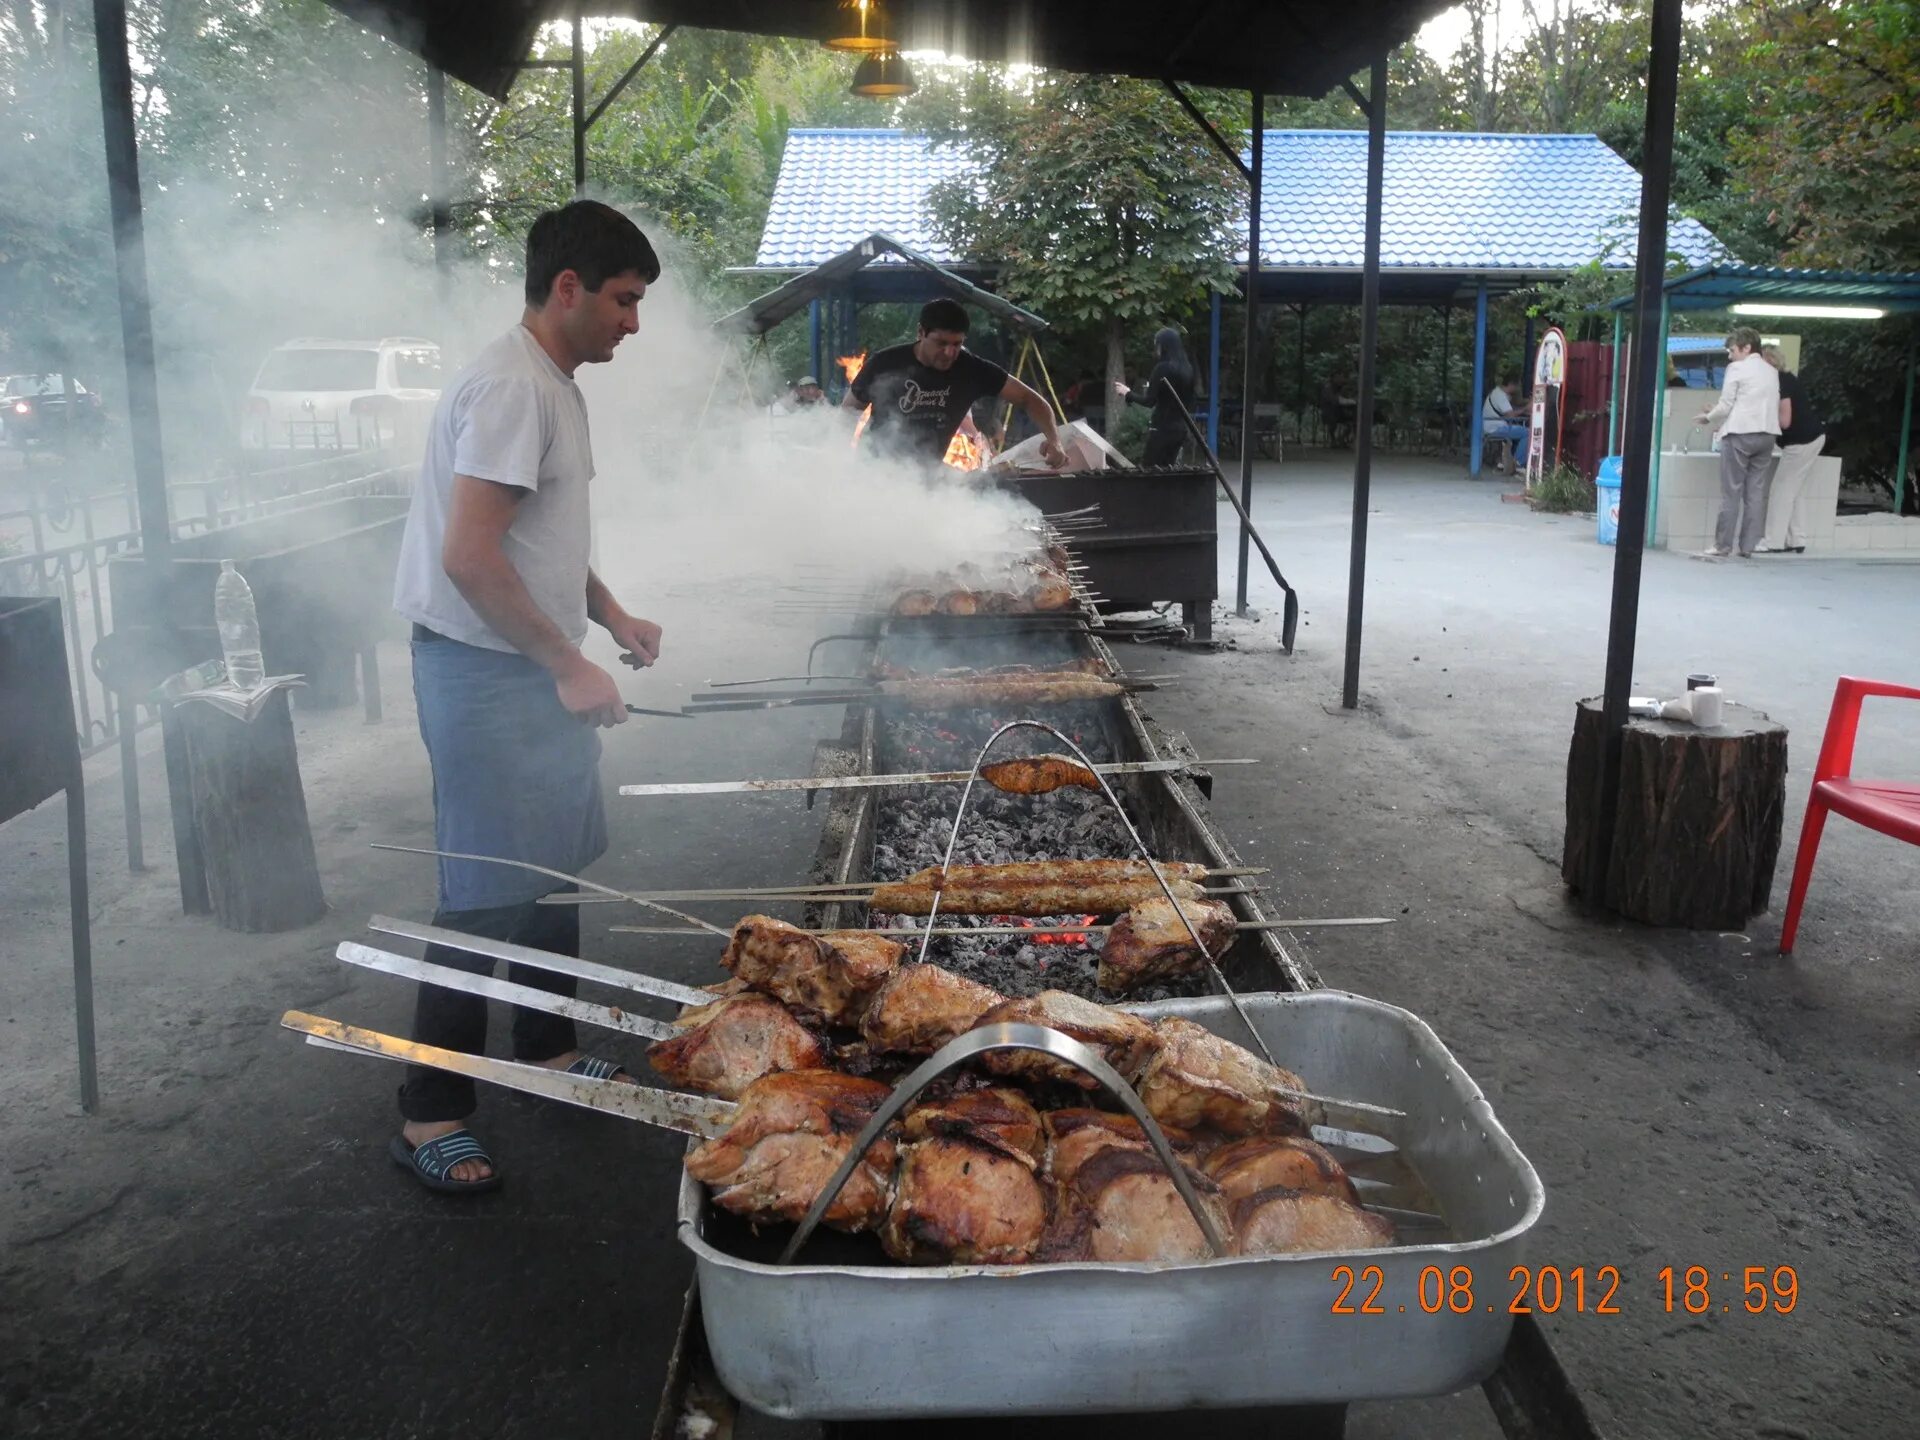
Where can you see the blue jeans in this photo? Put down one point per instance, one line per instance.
(1519, 434)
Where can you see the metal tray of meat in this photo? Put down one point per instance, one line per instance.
(880, 1341)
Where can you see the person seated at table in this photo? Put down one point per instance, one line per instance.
(1502, 418)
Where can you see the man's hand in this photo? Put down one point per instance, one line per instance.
(1054, 453)
(639, 640)
(589, 694)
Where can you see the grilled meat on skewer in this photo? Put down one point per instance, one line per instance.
(1120, 1204)
(832, 976)
(923, 1007)
(968, 1190)
(791, 1133)
(1198, 1079)
(1074, 1134)
(1037, 689)
(915, 603)
(1264, 1162)
(1038, 774)
(1037, 887)
(960, 602)
(1151, 942)
(733, 1043)
(1282, 1221)
(1124, 1041)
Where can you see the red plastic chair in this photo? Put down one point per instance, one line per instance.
(1888, 806)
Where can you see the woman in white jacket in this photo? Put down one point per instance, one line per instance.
(1748, 417)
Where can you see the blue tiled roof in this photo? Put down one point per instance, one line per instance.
(1460, 202)
(837, 187)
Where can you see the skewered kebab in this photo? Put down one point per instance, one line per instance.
(1029, 775)
(967, 1190)
(831, 976)
(1036, 887)
(922, 1007)
(726, 1046)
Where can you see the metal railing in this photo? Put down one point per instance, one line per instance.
(74, 571)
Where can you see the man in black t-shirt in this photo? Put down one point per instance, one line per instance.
(921, 392)
(1802, 436)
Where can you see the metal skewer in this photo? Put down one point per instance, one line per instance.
(863, 782)
(1034, 930)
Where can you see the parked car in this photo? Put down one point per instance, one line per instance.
(342, 395)
(49, 410)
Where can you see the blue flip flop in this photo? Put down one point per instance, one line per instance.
(432, 1162)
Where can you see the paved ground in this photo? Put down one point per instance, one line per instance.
(225, 1250)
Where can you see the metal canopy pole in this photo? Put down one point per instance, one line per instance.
(1906, 426)
(438, 202)
(1613, 397)
(1644, 393)
(1213, 372)
(130, 256)
(1363, 416)
(1476, 422)
(1249, 386)
(578, 66)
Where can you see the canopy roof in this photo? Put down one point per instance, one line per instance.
(1716, 287)
(923, 277)
(1457, 208)
(1284, 46)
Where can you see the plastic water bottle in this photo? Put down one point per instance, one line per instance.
(239, 626)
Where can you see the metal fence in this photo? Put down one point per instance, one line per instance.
(72, 535)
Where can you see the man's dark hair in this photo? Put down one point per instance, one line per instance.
(594, 241)
(944, 314)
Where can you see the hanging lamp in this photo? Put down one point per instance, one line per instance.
(864, 28)
(882, 76)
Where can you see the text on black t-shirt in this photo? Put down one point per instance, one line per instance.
(916, 408)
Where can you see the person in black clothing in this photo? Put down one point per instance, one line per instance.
(1168, 387)
(921, 392)
(1802, 436)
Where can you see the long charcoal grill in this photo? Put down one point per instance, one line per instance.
(1458, 1146)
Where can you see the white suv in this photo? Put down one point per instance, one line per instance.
(343, 395)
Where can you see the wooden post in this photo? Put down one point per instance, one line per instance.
(1697, 831)
(250, 814)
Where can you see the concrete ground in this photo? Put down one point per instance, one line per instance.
(226, 1251)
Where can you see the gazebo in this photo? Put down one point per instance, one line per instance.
(1771, 291)
(1464, 217)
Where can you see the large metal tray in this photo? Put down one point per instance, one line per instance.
(870, 1341)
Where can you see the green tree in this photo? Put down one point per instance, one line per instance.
(1100, 198)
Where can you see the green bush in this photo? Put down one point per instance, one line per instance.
(1564, 491)
(1129, 437)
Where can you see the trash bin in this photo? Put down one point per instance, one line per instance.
(1607, 500)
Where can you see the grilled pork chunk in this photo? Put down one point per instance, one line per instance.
(916, 602)
(1038, 775)
(1264, 1162)
(1282, 1221)
(1119, 1204)
(1197, 1079)
(789, 1135)
(1152, 942)
(832, 976)
(960, 602)
(1125, 1041)
(1002, 1117)
(1075, 1135)
(1037, 887)
(923, 1007)
(968, 1191)
(738, 1040)
(1050, 592)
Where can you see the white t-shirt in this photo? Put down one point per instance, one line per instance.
(512, 416)
(1499, 406)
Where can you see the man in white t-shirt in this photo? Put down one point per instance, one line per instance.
(1502, 419)
(494, 575)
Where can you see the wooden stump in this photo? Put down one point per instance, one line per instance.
(1698, 830)
(251, 817)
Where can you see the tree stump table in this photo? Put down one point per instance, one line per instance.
(1698, 827)
(251, 816)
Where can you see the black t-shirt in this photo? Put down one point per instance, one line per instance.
(1806, 424)
(916, 408)
(1166, 384)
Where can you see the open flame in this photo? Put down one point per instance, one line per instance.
(964, 454)
(850, 365)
